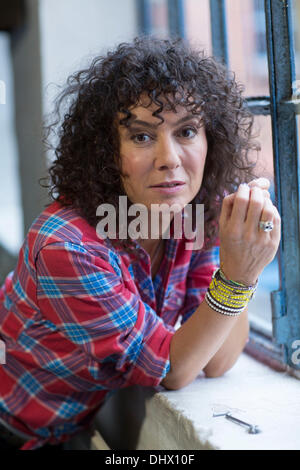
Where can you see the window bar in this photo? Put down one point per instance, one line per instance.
(259, 105)
(285, 301)
(218, 30)
(144, 16)
(176, 18)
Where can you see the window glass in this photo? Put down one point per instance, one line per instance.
(11, 222)
(197, 23)
(260, 310)
(247, 48)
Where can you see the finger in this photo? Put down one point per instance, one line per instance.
(262, 183)
(268, 213)
(255, 208)
(227, 205)
(265, 192)
(276, 232)
(240, 205)
(228, 202)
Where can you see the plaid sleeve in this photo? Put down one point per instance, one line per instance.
(85, 298)
(201, 269)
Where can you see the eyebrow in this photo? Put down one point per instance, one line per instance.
(188, 117)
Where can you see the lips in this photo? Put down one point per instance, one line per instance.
(168, 184)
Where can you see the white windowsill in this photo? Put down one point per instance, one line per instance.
(142, 418)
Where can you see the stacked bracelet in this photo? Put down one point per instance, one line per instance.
(227, 297)
(229, 280)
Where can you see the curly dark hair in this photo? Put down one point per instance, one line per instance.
(86, 171)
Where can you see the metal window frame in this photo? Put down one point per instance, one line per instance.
(176, 17)
(218, 27)
(144, 17)
(282, 108)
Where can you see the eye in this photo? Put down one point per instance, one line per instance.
(188, 132)
(140, 138)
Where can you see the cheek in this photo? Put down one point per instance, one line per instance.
(128, 167)
(196, 162)
(135, 168)
(133, 174)
(129, 159)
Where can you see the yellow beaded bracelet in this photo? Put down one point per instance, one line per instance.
(225, 298)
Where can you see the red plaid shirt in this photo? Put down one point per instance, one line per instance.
(81, 318)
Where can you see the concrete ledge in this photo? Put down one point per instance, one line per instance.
(140, 418)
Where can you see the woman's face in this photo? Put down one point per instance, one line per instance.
(153, 154)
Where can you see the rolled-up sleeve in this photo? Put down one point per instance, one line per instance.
(84, 296)
(202, 266)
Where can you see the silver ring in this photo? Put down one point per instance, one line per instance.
(266, 226)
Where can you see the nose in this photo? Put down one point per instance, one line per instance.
(167, 155)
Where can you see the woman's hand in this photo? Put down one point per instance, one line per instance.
(262, 183)
(245, 249)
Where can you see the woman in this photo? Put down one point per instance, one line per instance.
(82, 315)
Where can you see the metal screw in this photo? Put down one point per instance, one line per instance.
(253, 428)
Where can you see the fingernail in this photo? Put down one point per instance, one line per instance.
(263, 180)
(256, 189)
